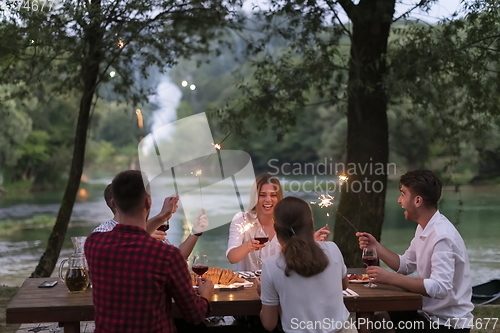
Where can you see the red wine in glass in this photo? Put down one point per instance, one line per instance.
(164, 227)
(370, 261)
(199, 269)
(262, 240)
(369, 258)
(200, 264)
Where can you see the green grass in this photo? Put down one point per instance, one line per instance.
(481, 313)
(37, 221)
(6, 293)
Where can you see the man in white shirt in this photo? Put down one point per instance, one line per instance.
(437, 253)
(199, 226)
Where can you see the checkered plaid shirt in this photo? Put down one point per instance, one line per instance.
(134, 277)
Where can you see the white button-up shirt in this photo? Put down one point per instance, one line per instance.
(439, 256)
(243, 228)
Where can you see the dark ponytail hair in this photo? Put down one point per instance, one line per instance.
(294, 227)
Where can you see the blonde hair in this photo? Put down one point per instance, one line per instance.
(260, 181)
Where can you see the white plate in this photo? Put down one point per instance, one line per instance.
(245, 284)
(357, 281)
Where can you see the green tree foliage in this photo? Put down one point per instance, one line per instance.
(45, 152)
(450, 71)
(312, 61)
(431, 83)
(16, 125)
(75, 45)
(299, 145)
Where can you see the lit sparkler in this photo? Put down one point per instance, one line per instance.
(197, 173)
(325, 201)
(121, 44)
(216, 145)
(343, 179)
(245, 226)
(352, 225)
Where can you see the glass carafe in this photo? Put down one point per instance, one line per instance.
(76, 277)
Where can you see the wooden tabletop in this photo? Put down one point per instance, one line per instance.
(32, 304)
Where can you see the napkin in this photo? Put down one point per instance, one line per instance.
(247, 274)
(349, 293)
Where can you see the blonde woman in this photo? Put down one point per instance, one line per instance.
(242, 248)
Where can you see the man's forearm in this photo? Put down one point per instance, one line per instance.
(390, 258)
(153, 223)
(409, 283)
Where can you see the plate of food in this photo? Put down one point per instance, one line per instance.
(358, 278)
(223, 279)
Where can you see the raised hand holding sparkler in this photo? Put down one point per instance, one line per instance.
(327, 201)
(321, 235)
(324, 201)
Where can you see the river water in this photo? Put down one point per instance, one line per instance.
(20, 249)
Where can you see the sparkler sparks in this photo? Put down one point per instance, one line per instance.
(121, 44)
(216, 145)
(343, 179)
(242, 228)
(325, 201)
(245, 226)
(197, 173)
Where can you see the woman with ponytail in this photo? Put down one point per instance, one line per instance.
(302, 284)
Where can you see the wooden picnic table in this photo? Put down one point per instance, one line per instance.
(39, 305)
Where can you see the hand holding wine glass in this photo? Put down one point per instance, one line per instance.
(370, 258)
(200, 264)
(161, 232)
(205, 288)
(262, 237)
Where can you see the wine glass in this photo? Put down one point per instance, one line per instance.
(200, 264)
(370, 258)
(164, 227)
(262, 237)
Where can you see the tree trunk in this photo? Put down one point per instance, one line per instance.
(363, 196)
(90, 74)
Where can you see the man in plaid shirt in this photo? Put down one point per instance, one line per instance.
(134, 277)
(199, 225)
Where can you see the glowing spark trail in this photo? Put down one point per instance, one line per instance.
(325, 201)
(245, 226)
(343, 179)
